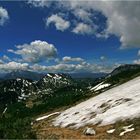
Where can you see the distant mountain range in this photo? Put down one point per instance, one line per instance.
(22, 74)
(26, 83)
(88, 75)
(21, 89)
(37, 76)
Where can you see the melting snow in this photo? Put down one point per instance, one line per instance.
(47, 116)
(4, 110)
(18, 79)
(127, 129)
(118, 103)
(57, 76)
(100, 86)
(110, 131)
(49, 75)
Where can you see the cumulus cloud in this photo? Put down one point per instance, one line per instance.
(123, 18)
(83, 14)
(136, 61)
(60, 23)
(36, 51)
(59, 68)
(3, 16)
(5, 58)
(124, 21)
(72, 68)
(40, 3)
(68, 59)
(82, 28)
(6, 67)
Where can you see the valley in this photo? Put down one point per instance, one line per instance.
(23, 101)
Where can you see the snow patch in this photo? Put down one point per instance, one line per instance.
(49, 75)
(110, 131)
(119, 103)
(127, 129)
(18, 79)
(4, 110)
(47, 116)
(100, 86)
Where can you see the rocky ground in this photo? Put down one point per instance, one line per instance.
(45, 130)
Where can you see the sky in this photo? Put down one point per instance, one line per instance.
(69, 36)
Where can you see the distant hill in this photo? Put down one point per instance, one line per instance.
(23, 74)
(24, 88)
(118, 76)
(123, 73)
(88, 75)
(133, 68)
(37, 76)
(117, 104)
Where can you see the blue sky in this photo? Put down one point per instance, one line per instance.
(28, 22)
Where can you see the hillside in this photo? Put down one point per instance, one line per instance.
(113, 114)
(23, 101)
(117, 77)
(106, 108)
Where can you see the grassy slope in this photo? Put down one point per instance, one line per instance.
(66, 98)
(44, 130)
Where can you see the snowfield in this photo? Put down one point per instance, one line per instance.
(119, 103)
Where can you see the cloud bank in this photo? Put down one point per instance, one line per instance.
(7, 67)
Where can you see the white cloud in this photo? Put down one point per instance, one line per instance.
(54, 68)
(13, 66)
(10, 50)
(103, 58)
(68, 59)
(5, 58)
(83, 14)
(40, 3)
(36, 51)
(136, 61)
(123, 17)
(72, 68)
(3, 16)
(124, 21)
(82, 28)
(82, 66)
(60, 23)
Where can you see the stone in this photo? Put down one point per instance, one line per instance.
(89, 131)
